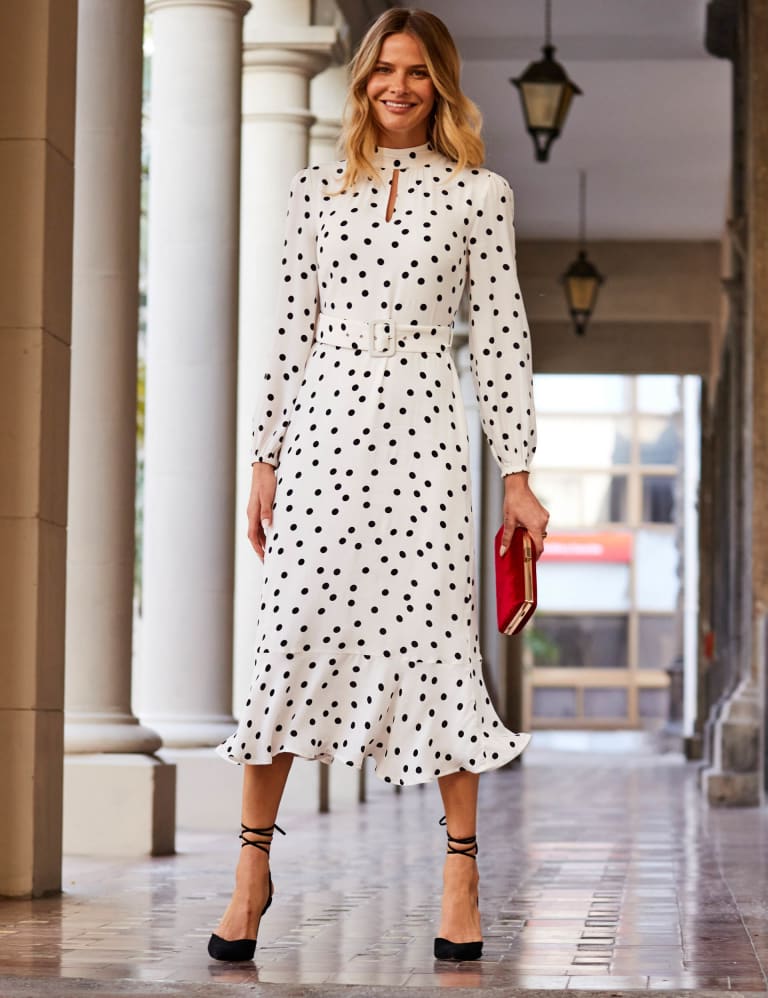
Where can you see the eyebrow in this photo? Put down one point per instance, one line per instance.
(418, 65)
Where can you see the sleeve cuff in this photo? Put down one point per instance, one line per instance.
(513, 469)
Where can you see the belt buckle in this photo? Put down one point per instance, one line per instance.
(389, 330)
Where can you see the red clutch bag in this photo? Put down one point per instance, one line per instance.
(515, 581)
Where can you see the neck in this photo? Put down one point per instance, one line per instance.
(401, 140)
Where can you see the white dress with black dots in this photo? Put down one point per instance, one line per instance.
(368, 621)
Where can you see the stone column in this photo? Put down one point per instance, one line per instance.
(327, 94)
(194, 136)
(37, 79)
(737, 772)
(100, 550)
(283, 51)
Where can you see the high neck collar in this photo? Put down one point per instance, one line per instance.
(409, 156)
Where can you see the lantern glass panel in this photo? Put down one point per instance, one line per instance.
(542, 104)
(581, 293)
(565, 104)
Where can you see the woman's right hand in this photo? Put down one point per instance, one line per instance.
(263, 483)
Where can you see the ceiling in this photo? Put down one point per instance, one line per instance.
(652, 128)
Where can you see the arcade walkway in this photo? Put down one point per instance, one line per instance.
(601, 871)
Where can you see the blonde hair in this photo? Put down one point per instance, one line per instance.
(454, 124)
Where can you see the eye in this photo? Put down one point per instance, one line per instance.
(381, 69)
(421, 73)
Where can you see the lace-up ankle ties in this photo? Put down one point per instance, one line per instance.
(470, 849)
(265, 833)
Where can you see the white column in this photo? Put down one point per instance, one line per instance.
(283, 51)
(327, 93)
(194, 135)
(117, 796)
(691, 484)
(102, 446)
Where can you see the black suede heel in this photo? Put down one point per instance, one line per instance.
(238, 950)
(444, 948)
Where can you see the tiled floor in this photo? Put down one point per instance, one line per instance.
(600, 871)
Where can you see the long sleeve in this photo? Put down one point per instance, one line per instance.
(295, 318)
(499, 337)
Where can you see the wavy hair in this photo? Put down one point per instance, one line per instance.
(454, 124)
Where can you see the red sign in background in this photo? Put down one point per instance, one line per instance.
(606, 546)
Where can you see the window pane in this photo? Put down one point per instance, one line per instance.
(653, 704)
(658, 499)
(582, 499)
(589, 642)
(582, 393)
(605, 703)
(586, 587)
(657, 641)
(656, 567)
(659, 440)
(583, 442)
(658, 393)
(554, 702)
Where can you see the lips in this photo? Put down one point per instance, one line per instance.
(397, 105)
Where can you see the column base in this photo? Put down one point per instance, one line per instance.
(92, 734)
(734, 778)
(119, 805)
(191, 732)
(30, 789)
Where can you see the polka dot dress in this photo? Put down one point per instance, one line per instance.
(368, 620)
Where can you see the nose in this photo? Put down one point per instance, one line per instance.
(398, 85)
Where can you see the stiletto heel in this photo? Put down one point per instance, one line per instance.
(444, 948)
(243, 949)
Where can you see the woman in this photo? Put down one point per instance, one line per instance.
(360, 503)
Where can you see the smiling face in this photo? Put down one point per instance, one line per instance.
(401, 92)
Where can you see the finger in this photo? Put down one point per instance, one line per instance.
(537, 536)
(265, 514)
(253, 538)
(506, 538)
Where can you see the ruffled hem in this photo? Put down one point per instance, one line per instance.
(495, 762)
(418, 720)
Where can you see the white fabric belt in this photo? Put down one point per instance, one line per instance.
(382, 337)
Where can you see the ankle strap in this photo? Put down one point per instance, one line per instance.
(267, 834)
(470, 843)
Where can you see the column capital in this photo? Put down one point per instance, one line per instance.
(240, 7)
(287, 36)
(290, 116)
(308, 58)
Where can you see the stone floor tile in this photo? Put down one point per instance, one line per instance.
(629, 883)
(599, 983)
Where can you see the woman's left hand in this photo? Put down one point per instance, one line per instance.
(522, 508)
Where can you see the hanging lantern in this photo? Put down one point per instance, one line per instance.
(582, 279)
(546, 94)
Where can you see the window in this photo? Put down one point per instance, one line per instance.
(658, 499)
(657, 641)
(582, 499)
(583, 441)
(583, 641)
(607, 703)
(659, 440)
(609, 467)
(555, 702)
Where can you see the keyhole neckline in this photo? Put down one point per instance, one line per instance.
(403, 158)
